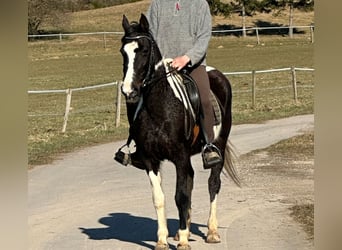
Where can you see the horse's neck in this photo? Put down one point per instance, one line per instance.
(158, 93)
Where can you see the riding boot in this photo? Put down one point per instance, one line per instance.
(211, 155)
(129, 159)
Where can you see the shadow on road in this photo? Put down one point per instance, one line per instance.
(134, 229)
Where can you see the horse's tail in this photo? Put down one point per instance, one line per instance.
(229, 160)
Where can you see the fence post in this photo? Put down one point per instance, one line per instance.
(312, 34)
(60, 37)
(257, 34)
(294, 83)
(118, 104)
(253, 88)
(67, 109)
(104, 40)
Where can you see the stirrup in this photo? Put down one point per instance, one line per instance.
(122, 157)
(211, 156)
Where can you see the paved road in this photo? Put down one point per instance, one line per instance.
(85, 200)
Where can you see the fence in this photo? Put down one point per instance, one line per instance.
(256, 30)
(253, 91)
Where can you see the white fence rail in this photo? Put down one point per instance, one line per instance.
(105, 33)
(253, 90)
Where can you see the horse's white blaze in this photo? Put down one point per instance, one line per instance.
(127, 83)
(159, 204)
(212, 221)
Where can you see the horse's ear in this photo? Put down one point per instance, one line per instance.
(144, 23)
(125, 23)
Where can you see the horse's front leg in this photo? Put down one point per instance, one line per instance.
(184, 188)
(159, 204)
(214, 185)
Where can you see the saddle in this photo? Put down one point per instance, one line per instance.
(186, 90)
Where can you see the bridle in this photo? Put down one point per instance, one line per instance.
(149, 74)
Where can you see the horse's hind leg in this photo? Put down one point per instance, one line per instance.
(214, 184)
(159, 204)
(185, 175)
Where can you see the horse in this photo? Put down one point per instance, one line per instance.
(160, 123)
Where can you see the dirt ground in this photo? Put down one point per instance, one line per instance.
(285, 171)
(85, 200)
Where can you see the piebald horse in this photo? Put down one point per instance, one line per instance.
(160, 121)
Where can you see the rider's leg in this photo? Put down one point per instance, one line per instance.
(211, 154)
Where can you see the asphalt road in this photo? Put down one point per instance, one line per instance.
(85, 200)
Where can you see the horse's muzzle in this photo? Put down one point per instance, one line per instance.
(133, 97)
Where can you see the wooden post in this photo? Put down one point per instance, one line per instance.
(294, 84)
(253, 88)
(312, 34)
(104, 40)
(118, 105)
(257, 34)
(67, 109)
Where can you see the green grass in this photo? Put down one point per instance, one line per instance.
(83, 61)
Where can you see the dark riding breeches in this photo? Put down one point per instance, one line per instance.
(200, 75)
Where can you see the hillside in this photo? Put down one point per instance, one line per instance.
(109, 19)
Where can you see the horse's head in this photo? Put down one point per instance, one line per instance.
(137, 51)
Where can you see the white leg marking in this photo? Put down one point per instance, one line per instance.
(127, 84)
(159, 204)
(212, 221)
(184, 236)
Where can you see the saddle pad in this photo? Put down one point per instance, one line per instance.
(216, 109)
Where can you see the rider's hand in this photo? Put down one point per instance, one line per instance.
(180, 62)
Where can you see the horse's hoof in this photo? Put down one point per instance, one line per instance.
(161, 246)
(183, 247)
(213, 237)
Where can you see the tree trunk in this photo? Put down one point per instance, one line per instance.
(291, 21)
(243, 21)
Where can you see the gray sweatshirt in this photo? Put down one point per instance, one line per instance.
(181, 27)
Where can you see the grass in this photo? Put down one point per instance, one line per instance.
(83, 61)
(304, 214)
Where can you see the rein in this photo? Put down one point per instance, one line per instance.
(148, 81)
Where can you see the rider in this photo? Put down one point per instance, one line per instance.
(182, 30)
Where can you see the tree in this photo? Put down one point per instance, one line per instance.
(281, 5)
(219, 8)
(45, 11)
(245, 7)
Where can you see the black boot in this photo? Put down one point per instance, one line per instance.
(122, 158)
